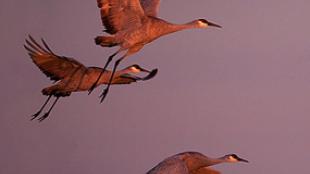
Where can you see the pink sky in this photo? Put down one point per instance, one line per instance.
(242, 89)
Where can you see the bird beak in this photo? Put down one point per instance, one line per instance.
(214, 25)
(243, 160)
(150, 75)
(144, 70)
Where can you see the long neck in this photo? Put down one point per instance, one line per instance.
(214, 161)
(179, 27)
(105, 77)
(197, 164)
(161, 27)
(107, 74)
(124, 71)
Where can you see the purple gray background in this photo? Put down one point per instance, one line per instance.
(241, 89)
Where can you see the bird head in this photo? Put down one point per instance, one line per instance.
(202, 23)
(136, 69)
(233, 158)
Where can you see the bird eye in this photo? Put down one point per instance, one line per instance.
(203, 21)
(234, 155)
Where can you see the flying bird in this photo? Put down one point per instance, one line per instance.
(192, 163)
(133, 24)
(72, 76)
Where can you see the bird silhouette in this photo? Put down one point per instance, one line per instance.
(192, 163)
(72, 76)
(133, 24)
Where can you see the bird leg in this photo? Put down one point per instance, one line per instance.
(128, 53)
(104, 69)
(106, 90)
(48, 112)
(42, 107)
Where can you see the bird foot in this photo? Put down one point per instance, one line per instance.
(35, 115)
(43, 117)
(91, 89)
(103, 95)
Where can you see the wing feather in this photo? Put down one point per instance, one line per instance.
(53, 66)
(150, 7)
(118, 15)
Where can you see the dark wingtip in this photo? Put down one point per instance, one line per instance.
(28, 49)
(214, 24)
(31, 38)
(47, 47)
(151, 74)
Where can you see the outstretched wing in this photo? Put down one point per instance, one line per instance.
(118, 15)
(53, 66)
(206, 170)
(150, 7)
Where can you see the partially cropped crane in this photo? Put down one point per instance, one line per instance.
(192, 163)
(72, 76)
(133, 24)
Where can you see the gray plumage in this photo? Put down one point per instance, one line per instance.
(133, 24)
(192, 163)
(72, 76)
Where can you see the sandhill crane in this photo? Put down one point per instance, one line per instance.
(192, 163)
(72, 76)
(132, 24)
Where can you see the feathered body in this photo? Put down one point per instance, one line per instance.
(150, 29)
(191, 163)
(70, 75)
(133, 24)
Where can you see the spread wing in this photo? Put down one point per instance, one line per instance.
(53, 66)
(118, 15)
(170, 166)
(150, 7)
(206, 170)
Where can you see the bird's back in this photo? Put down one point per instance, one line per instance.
(84, 79)
(151, 29)
(183, 163)
(171, 165)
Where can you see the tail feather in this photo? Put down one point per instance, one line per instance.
(105, 41)
(55, 91)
